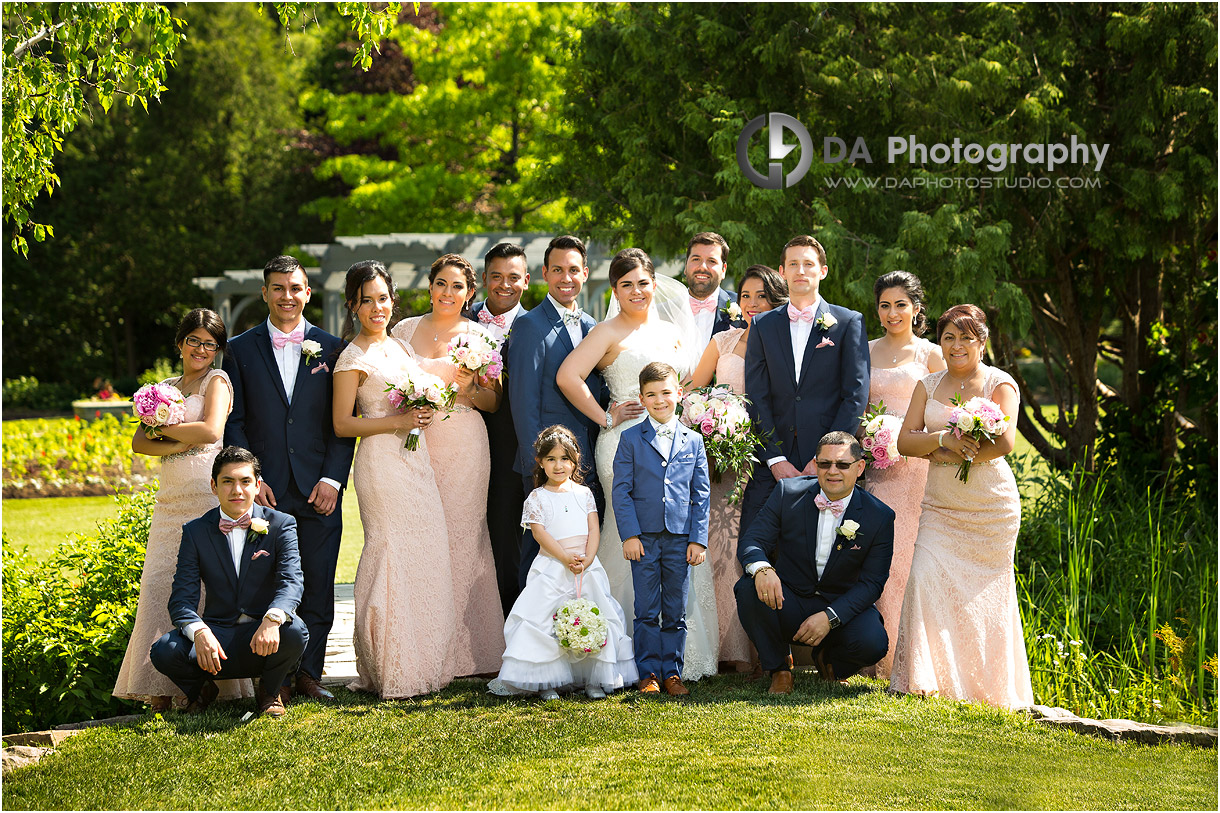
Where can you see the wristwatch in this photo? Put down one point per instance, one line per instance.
(609, 420)
(834, 618)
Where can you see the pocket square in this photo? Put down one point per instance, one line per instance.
(826, 342)
(319, 368)
(259, 553)
(855, 547)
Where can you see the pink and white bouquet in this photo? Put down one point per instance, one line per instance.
(420, 389)
(720, 416)
(981, 419)
(478, 351)
(157, 406)
(580, 628)
(880, 439)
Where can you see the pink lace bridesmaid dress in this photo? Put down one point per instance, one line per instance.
(184, 494)
(405, 624)
(725, 518)
(461, 461)
(900, 486)
(960, 634)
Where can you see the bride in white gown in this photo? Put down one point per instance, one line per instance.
(649, 320)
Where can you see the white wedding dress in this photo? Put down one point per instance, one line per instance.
(623, 379)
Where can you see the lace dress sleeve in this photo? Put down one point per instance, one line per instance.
(219, 375)
(352, 358)
(923, 349)
(534, 511)
(932, 381)
(586, 501)
(726, 340)
(996, 377)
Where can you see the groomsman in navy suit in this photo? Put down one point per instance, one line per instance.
(542, 339)
(707, 262)
(246, 558)
(281, 374)
(806, 374)
(505, 278)
(816, 559)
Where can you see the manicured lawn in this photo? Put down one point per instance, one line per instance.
(730, 746)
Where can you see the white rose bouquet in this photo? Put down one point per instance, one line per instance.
(580, 628)
(420, 389)
(719, 415)
(476, 350)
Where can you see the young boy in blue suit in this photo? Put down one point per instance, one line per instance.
(661, 497)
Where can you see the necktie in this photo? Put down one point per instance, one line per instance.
(572, 317)
(698, 306)
(823, 504)
(665, 432)
(227, 525)
(295, 337)
(795, 314)
(487, 318)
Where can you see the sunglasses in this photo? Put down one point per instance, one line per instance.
(211, 347)
(838, 464)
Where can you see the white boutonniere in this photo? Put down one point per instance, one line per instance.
(310, 350)
(259, 525)
(826, 321)
(848, 529)
(732, 311)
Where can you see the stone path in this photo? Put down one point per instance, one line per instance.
(340, 655)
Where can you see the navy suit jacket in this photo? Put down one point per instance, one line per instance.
(785, 534)
(723, 322)
(651, 494)
(500, 430)
(538, 344)
(266, 580)
(293, 442)
(833, 390)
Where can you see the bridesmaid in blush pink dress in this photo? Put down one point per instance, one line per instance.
(960, 633)
(461, 460)
(405, 627)
(899, 360)
(761, 289)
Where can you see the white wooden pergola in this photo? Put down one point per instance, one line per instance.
(408, 257)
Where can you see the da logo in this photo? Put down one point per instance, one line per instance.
(777, 150)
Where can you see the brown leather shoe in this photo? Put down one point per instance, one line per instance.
(650, 685)
(309, 686)
(161, 703)
(781, 682)
(826, 672)
(207, 693)
(270, 704)
(673, 685)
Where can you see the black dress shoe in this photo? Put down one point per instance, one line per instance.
(207, 693)
(309, 686)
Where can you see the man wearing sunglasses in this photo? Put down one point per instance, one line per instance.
(816, 558)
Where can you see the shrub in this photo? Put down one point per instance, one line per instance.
(27, 392)
(67, 620)
(163, 369)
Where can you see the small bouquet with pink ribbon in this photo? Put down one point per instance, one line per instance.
(719, 415)
(478, 351)
(981, 419)
(420, 389)
(880, 439)
(580, 628)
(157, 406)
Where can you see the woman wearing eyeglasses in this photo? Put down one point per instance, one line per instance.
(186, 450)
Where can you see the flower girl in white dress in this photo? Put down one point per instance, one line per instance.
(564, 520)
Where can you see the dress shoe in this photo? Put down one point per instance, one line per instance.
(650, 685)
(548, 694)
(781, 682)
(594, 693)
(271, 705)
(825, 671)
(308, 686)
(161, 703)
(673, 685)
(207, 693)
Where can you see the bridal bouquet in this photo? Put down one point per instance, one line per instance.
(981, 419)
(719, 415)
(420, 389)
(580, 628)
(477, 351)
(156, 406)
(880, 439)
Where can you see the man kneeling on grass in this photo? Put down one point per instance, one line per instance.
(246, 556)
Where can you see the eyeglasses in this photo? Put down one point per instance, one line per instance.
(838, 464)
(211, 347)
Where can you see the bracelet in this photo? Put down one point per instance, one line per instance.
(940, 439)
(609, 420)
(760, 571)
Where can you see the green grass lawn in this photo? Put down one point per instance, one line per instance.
(729, 747)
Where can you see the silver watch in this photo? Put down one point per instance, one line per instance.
(833, 618)
(609, 420)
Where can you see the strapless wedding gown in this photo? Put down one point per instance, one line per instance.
(702, 628)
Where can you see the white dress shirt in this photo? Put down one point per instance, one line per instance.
(509, 317)
(706, 320)
(828, 526)
(800, 331)
(288, 360)
(237, 546)
(666, 443)
(574, 330)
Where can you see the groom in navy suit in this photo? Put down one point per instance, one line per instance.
(816, 559)
(806, 374)
(707, 262)
(281, 374)
(246, 558)
(542, 339)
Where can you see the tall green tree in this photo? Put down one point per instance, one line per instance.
(657, 95)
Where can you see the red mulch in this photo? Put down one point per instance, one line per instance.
(111, 477)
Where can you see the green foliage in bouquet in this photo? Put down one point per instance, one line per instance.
(67, 620)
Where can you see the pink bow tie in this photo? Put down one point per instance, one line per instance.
(227, 525)
(698, 306)
(805, 315)
(487, 318)
(823, 504)
(295, 337)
